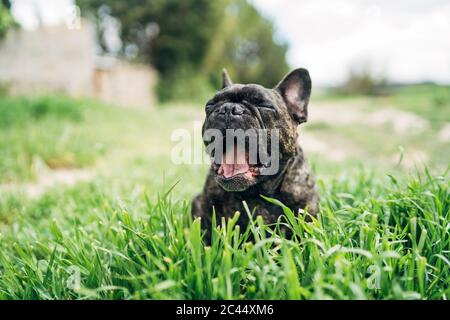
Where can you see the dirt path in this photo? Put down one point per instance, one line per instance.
(48, 179)
(343, 114)
(444, 134)
(313, 144)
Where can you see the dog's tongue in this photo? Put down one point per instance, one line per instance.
(232, 167)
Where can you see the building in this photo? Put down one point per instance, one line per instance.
(59, 59)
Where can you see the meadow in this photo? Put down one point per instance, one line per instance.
(124, 230)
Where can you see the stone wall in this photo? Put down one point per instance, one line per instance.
(124, 83)
(59, 59)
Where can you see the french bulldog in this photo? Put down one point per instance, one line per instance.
(234, 179)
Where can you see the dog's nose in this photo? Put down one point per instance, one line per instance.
(231, 109)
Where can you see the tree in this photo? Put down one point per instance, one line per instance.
(184, 28)
(362, 79)
(245, 44)
(6, 20)
(185, 39)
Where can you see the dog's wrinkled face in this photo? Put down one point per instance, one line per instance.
(252, 109)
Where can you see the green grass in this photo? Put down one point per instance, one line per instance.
(429, 101)
(376, 238)
(47, 129)
(383, 231)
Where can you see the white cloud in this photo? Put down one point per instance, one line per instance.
(407, 40)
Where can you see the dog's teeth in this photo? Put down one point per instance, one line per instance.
(220, 170)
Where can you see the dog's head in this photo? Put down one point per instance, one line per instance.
(251, 109)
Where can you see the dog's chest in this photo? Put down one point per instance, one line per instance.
(230, 202)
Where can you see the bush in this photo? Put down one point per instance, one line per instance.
(6, 20)
(363, 82)
(19, 111)
(187, 85)
(42, 129)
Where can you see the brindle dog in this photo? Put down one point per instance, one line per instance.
(251, 106)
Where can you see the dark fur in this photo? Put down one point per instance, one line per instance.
(293, 184)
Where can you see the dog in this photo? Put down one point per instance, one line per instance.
(233, 180)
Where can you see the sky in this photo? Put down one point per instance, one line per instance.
(402, 40)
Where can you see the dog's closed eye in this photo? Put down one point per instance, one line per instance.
(211, 102)
(266, 106)
(259, 104)
(210, 106)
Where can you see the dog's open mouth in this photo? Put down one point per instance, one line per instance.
(236, 164)
(240, 163)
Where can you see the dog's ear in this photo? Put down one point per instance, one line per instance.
(226, 81)
(295, 88)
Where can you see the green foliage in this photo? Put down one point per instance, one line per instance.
(6, 20)
(41, 129)
(185, 28)
(428, 100)
(363, 82)
(246, 46)
(123, 235)
(196, 39)
(185, 84)
(20, 111)
(375, 239)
